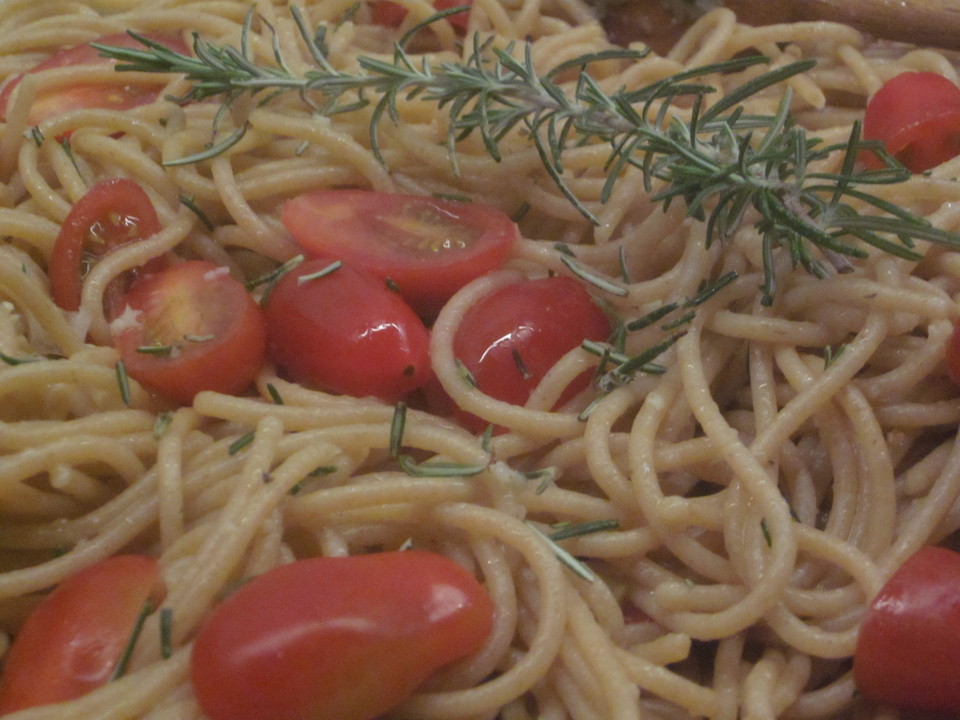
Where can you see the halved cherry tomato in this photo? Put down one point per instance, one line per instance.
(337, 638)
(56, 101)
(916, 115)
(391, 14)
(908, 649)
(346, 332)
(111, 213)
(189, 328)
(429, 248)
(510, 338)
(71, 642)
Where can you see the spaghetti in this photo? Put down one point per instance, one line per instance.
(727, 520)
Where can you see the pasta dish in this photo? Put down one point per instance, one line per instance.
(743, 425)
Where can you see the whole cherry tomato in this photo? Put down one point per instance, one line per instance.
(916, 115)
(115, 96)
(427, 248)
(908, 649)
(337, 638)
(953, 354)
(189, 328)
(510, 338)
(391, 14)
(346, 332)
(71, 642)
(110, 214)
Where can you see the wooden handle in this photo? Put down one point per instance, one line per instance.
(922, 22)
(934, 23)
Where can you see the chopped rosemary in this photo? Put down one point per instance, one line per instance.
(166, 632)
(191, 203)
(241, 442)
(438, 469)
(274, 394)
(124, 661)
(575, 565)
(33, 133)
(830, 355)
(765, 529)
(397, 425)
(123, 382)
(162, 424)
(10, 360)
(322, 273)
(562, 531)
(546, 476)
(592, 278)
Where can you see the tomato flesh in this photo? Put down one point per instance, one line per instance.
(346, 332)
(72, 640)
(510, 338)
(428, 248)
(391, 14)
(110, 214)
(908, 649)
(916, 115)
(56, 101)
(337, 638)
(190, 328)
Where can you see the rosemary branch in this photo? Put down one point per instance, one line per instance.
(721, 162)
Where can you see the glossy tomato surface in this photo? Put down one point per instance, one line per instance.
(337, 638)
(908, 649)
(391, 14)
(58, 100)
(112, 213)
(916, 115)
(189, 328)
(428, 248)
(953, 354)
(346, 332)
(510, 338)
(71, 642)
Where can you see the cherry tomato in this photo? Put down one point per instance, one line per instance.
(391, 14)
(71, 642)
(953, 354)
(189, 328)
(111, 213)
(916, 115)
(429, 248)
(337, 638)
(56, 101)
(908, 649)
(510, 338)
(346, 332)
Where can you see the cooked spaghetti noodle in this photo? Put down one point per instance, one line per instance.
(750, 500)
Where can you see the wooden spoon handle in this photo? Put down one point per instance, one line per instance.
(922, 22)
(934, 23)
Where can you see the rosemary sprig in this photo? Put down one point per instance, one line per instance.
(721, 162)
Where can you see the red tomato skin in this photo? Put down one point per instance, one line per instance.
(337, 638)
(384, 234)
(536, 321)
(908, 649)
(917, 117)
(391, 14)
(953, 354)
(111, 213)
(195, 298)
(72, 640)
(56, 101)
(346, 333)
